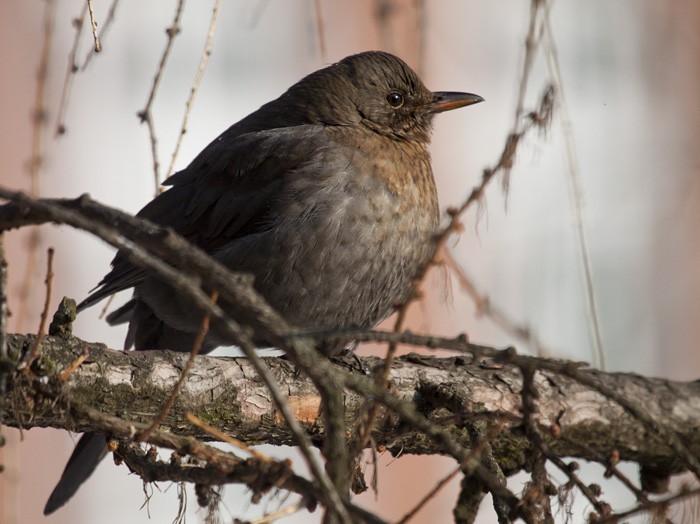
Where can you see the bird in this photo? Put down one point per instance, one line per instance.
(325, 195)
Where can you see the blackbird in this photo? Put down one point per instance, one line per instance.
(325, 195)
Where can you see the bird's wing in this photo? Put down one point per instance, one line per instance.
(222, 195)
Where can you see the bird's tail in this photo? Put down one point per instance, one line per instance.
(91, 448)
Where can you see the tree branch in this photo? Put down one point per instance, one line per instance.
(451, 394)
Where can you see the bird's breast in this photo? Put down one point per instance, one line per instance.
(353, 239)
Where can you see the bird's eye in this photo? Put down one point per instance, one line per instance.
(395, 99)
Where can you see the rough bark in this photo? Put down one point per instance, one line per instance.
(227, 393)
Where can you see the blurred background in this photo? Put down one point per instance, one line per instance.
(629, 73)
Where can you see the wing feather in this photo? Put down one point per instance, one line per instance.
(222, 195)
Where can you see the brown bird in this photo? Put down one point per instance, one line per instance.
(325, 195)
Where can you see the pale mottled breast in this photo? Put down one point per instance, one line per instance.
(352, 237)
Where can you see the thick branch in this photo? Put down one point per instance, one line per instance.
(227, 393)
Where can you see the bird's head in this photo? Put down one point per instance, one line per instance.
(374, 89)
(391, 99)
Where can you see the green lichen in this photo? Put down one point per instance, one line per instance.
(62, 323)
(511, 451)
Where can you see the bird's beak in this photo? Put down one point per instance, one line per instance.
(447, 100)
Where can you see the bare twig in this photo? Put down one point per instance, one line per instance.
(41, 333)
(223, 437)
(320, 29)
(364, 430)
(225, 462)
(532, 41)
(197, 81)
(603, 508)
(535, 496)
(384, 10)
(145, 113)
(612, 469)
(539, 118)
(430, 495)
(467, 465)
(39, 118)
(63, 375)
(5, 367)
(101, 35)
(4, 310)
(105, 308)
(576, 192)
(93, 23)
(409, 415)
(421, 32)
(275, 515)
(78, 24)
(258, 10)
(37, 159)
(655, 505)
(484, 306)
(183, 375)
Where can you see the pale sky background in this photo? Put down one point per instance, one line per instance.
(631, 74)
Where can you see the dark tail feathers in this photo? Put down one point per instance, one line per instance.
(91, 448)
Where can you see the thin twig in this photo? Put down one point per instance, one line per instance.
(320, 29)
(258, 10)
(223, 437)
(5, 368)
(615, 518)
(421, 35)
(364, 431)
(4, 310)
(63, 375)
(72, 69)
(535, 498)
(611, 468)
(603, 508)
(383, 12)
(572, 167)
(197, 81)
(466, 465)
(105, 27)
(196, 347)
(105, 308)
(275, 515)
(93, 22)
(40, 111)
(532, 41)
(37, 159)
(145, 113)
(226, 464)
(484, 306)
(429, 496)
(41, 333)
